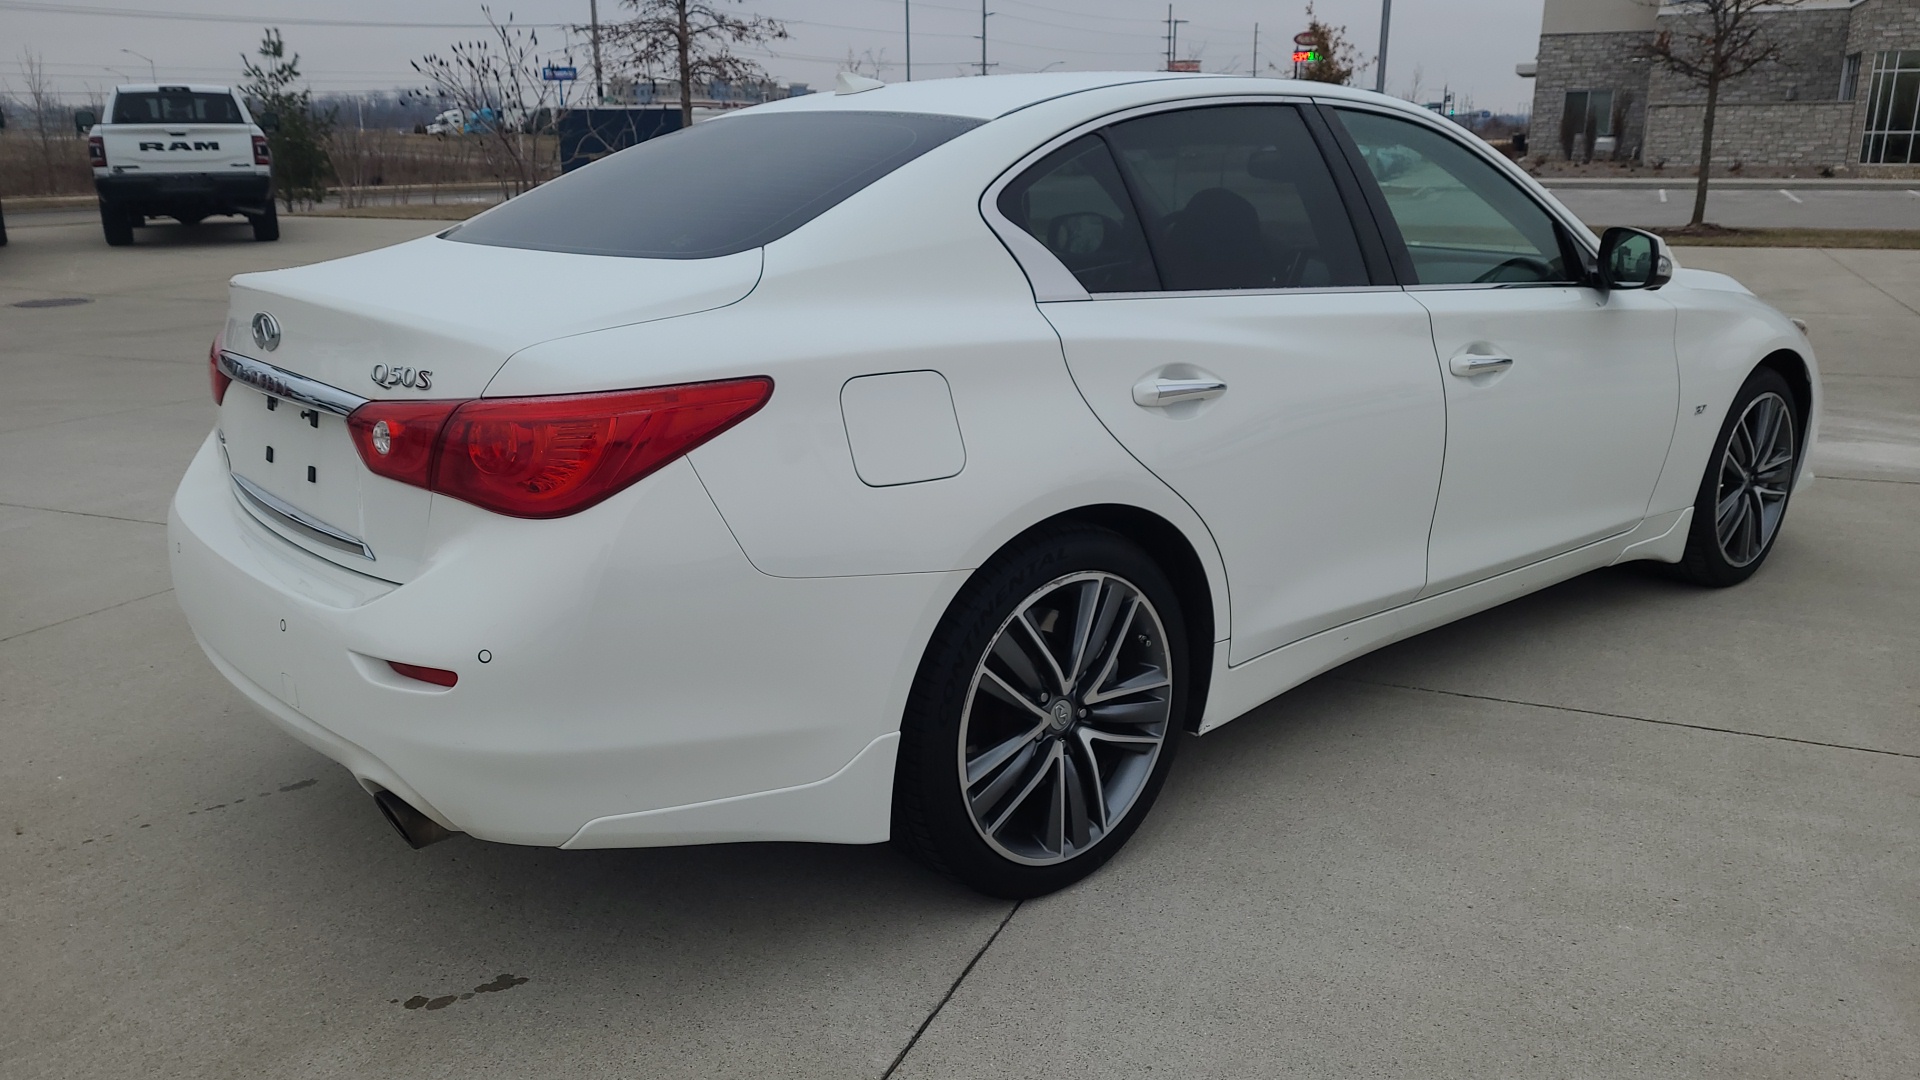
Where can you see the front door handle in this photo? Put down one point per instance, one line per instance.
(1160, 393)
(1471, 364)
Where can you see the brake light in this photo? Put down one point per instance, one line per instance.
(97, 151)
(220, 379)
(261, 155)
(545, 457)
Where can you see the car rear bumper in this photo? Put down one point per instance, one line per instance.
(164, 193)
(642, 684)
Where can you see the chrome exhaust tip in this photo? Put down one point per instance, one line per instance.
(416, 828)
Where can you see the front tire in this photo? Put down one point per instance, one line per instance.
(1044, 716)
(117, 224)
(1743, 497)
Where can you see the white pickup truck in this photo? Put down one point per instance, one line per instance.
(184, 152)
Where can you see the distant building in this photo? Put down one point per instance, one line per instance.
(1845, 92)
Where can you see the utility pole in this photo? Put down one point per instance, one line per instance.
(1256, 50)
(599, 84)
(1380, 66)
(1173, 36)
(909, 40)
(983, 37)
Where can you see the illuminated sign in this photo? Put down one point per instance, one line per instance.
(1306, 56)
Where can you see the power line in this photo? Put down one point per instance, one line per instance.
(42, 8)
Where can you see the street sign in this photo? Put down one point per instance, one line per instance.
(1304, 39)
(550, 73)
(1486, 114)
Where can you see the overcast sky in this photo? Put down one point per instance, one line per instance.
(1468, 45)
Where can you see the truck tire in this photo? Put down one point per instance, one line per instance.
(266, 226)
(117, 224)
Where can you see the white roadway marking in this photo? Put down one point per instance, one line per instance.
(1915, 194)
(1663, 194)
(1790, 195)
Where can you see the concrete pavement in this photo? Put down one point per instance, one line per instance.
(1785, 204)
(1623, 827)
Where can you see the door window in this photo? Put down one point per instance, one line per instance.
(1074, 202)
(1238, 197)
(1462, 221)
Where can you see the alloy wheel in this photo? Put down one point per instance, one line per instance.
(1067, 713)
(1756, 473)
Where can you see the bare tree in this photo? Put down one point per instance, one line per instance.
(869, 63)
(1333, 57)
(44, 104)
(1711, 42)
(689, 40)
(495, 83)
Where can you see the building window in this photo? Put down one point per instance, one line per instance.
(1588, 116)
(1893, 110)
(1850, 78)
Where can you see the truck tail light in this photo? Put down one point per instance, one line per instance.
(97, 151)
(545, 457)
(261, 155)
(220, 379)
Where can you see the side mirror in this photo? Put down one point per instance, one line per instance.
(269, 121)
(84, 120)
(1634, 259)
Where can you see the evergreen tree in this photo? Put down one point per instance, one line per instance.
(301, 166)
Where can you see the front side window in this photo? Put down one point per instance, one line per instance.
(721, 187)
(1075, 203)
(1462, 221)
(1893, 110)
(175, 107)
(1238, 197)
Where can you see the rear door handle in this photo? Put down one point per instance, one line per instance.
(1471, 364)
(1160, 393)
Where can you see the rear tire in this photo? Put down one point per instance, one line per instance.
(117, 224)
(1742, 502)
(1044, 716)
(266, 226)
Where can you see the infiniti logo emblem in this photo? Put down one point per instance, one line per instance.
(266, 331)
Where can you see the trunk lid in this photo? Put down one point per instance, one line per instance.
(429, 319)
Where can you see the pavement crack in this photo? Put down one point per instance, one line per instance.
(82, 615)
(80, 513)
(1641, 719)
(948, 996)
(1875, 286)
(1871, 480)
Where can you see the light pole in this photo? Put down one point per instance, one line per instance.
(1386, 21)
(909, 40)
(151, 72)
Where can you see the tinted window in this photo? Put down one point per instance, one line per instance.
(714, 189)
(175, 107)
(1074, 202)
(1238, 197)
(1463, 222)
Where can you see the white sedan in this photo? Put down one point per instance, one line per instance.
(920, 462)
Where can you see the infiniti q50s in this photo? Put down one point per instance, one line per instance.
(916, 462)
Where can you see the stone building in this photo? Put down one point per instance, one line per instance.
(1843, 94)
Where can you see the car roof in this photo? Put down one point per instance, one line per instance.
(998, 95)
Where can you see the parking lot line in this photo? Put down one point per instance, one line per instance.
(1663, 195)
(1791, 195)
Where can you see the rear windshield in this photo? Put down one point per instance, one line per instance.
(175, 107)
(724, 186)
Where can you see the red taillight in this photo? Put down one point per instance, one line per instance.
(543, 457)
(97, 151)
(434, 675)
(261, 155)
(220, 379)
(397, 439)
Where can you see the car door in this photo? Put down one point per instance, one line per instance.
(1235, 338)
(1561, 398)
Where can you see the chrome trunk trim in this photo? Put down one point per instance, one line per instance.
(283, 513)
(284, 384)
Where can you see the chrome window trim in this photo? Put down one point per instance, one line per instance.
(1576, 229)
(1194, 293)
(284, 384)
(1051, 280)
(281, 512)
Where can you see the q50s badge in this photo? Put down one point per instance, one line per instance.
(389, 378)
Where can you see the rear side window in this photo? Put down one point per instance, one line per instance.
(175, 107)
(715, 189)
(1238, 197)
(1075, 203)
